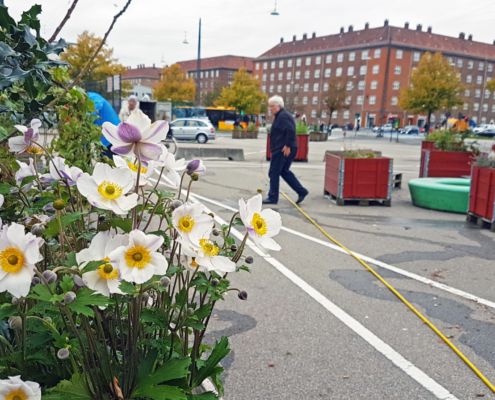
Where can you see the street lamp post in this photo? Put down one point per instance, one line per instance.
(198, 67)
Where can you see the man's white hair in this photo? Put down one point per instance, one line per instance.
(276, 100)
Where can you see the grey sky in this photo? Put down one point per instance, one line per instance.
(152, 31)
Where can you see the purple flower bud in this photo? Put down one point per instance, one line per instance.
(36, 281)
(49, 276)
(195, 166)
(78, 281)
(175, 204)
(69, 297)
(128, 133)
(15, 323)
(63, 354)
(242, 295)
(165, 281)
(249, 260)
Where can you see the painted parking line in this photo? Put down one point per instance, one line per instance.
(378, 263)
(378, 344)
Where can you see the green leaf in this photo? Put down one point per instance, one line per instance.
(70, 261)
(41, 292)
(203, 396)
(85, 299)
(173, 369)
(123, 223)
(75, 388)
(127, 287)
(7, 310)
(162, 392)
(52, 228)
(220, 351)
(92, 266)
(5, 188)
(67, 283)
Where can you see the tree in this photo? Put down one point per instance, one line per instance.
(211, 97)
(435, 85)
(174, 85)
(244, 94)
(334, 99)
(104, 64)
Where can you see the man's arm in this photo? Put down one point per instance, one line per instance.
(289, 131)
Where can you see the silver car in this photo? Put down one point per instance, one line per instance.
(200, 130)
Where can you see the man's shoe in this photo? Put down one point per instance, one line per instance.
(269, 201)
(301, 197)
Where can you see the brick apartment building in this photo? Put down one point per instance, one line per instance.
(376, 63)
(216, 72)
(142, 79)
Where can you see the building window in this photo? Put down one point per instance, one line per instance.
(359, 100)
(467, 93)
(350, 71)
(470, 65)
(318, 60)
(306, 87)
(279, 88)
(296, 87)
(263, 78)
(328, 58)
(289, 75)
(316, 87)
(477, 93)
(483, 120)
(352, 56)
(396, 85)
(460, 63)
(313, 113)
(485, 107)
(263, 88)
(280, 76)
(289, 62)
(272, 65)
(298, 61)
(296, 100)
(308, 61)
(265, 65)
(493, 108)
(481, 66)
(394, 100)
(217, 73)
(469, 78)
(489, 67)
(465, 106)
(257, 66)
(306, 74)
(338, 71)
(416, 56)
(363, 69)
(361, 85)
(373, 85)
(365, 54)
(476, 106)
(372, 100)
(323, 114)
(287, 88)
(315, 100)
(349, 85)
(348, 100)
(487, 94)
(317, 73)
(398, 54)
(340, 57)
(201, 74)
(479, 79)
(298, 74)
(375, 69)
(305, 100)
(397, 70)
(335, 114)
(345, 115)
(272, 88)
(325, 87)
(328, 72)
(377, 53)
(272, 76)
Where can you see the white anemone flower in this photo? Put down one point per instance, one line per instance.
(14, 388)
(24, 143)
(107, 188)
(136, 136)
(19, 252)
(146, 170)
(170, 175)
(206, 255)
(261, 225)
(192, 222)
(60, 170)
(106, 278)
(24, 171)
(2, 199)
(139, 260)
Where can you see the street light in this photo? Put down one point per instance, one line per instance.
(185, 38)
(275, 12)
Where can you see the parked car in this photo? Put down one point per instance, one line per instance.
(410, 130)
(200, 130)
(487, 132)
(387, 128)
(479, 130)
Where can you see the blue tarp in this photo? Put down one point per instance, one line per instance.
(105, 112)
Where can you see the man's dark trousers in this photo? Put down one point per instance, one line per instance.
(280, 167)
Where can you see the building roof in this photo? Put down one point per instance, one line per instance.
(219, 62)
(142, 72)
(374, 37)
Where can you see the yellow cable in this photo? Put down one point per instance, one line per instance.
(430, 324)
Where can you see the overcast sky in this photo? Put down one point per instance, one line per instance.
(152, 31)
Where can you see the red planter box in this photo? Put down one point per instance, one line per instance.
(482, 193)
(302, 148)
(443, 164)
(358, 178)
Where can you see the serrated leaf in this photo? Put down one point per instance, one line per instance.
(85, 299)
(67, 283)
(211, 365)
(123, 223)
(75, 389)
(161, 392)
(52, 228)
(172, 369)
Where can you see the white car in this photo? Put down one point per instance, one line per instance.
(484, 127)
(200, 130)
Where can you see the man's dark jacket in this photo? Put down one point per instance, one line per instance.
(283, 131)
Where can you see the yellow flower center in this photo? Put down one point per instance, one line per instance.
(259, 224)
(186, 223)
(107, 271)
(11, 260)
(109, 190)
(209, 248)
(137, 257)
(33, 149)
(134, 167)
(16, 394)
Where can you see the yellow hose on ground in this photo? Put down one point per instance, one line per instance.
(430, 324)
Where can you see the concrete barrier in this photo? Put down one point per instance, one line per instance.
(210, 152)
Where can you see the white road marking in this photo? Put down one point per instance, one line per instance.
(379, 345)
(378, 263)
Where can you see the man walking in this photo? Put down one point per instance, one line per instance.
(283, 146)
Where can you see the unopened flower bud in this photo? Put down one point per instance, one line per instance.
(69, 297)
(78, 281)
(233, 247)
(249, 260)
(242, 295)
(15, 301)
(36, 281)
(59, 204)
(49, 276)
(104, 226)
(215, 232)
(165, 281)
(195, 177)
(63, 354)
(175, 204)
(215, 282)
(195, 166)
(15, 323)
(37, 229)
(101, 218)
(259, 191)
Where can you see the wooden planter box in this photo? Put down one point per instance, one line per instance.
(437, 163)
(358, 178)
(482, 196)
(318, 136)
(244, 134)
(302, 148)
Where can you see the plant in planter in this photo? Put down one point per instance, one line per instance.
(110, 276)
(482, 193)
(445, 154)
(302, 137)
(251, 132)
(358, 175)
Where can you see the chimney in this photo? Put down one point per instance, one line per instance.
(385, 23)
(294, 38)
(406, 25)
(281, 40)
(351, 28)
(429, 29)
(470, 37)
(462, 35)
(419, 27)
(366, 26)
(313, 36)
(342, 29)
